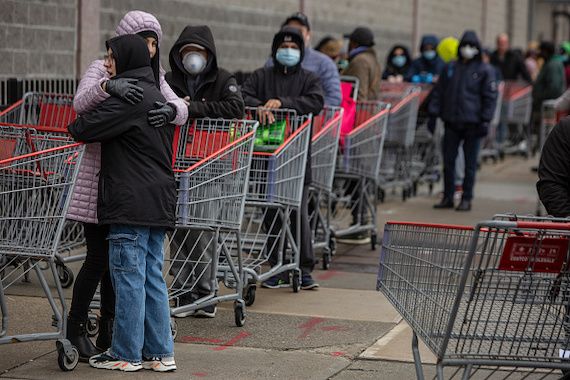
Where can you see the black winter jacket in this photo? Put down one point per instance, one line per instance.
(466, 92)
(554, 171)
(512, 67)
(217, 94)
(136, 183)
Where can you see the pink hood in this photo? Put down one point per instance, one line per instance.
(137, 21)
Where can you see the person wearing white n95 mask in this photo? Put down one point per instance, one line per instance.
(195, 61)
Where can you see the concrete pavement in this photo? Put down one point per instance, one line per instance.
(345, 330)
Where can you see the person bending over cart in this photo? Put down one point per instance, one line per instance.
(288, 85)
(137, 200)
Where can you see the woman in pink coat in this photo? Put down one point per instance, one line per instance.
(95, 86)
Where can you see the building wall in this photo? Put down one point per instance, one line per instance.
(40, 36)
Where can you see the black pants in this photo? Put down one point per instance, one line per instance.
(95, 269)
(307, 256)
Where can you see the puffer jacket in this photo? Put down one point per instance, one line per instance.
(83, 207)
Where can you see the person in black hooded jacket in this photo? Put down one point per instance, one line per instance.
(210, 92)
(465, 98)
(397, 64)
(137, 199)
(195, 76)
(287, 85)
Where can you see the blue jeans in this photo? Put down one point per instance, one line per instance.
(142, 313)
(471, 144)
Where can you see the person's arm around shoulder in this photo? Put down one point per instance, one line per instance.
(554, 171)
(90, 91)
(107, 121)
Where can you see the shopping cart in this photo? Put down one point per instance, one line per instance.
(354, 197)
(396, 165)
(490, 148)
(324, 148)
(212, 163)
(50, 114)
(492, 296)
(35, 189)
(270, 229)
(515, 113)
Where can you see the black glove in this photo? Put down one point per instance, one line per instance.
(125, 89)
(163, 114)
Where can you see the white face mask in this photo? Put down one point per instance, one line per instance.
(468, 52)
(194, 63)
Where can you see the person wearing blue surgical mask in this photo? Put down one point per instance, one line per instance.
(397, 64)
(286, 84)
(428, 66)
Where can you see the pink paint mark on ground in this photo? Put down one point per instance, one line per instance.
(199, 374)
(242, 335)
(310, 326)
(338, 353)
(328, 275)
(196, 339)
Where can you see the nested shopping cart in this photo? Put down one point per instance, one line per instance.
(35, 192)
(516, 112)
(396, 166)
(50, 114)
(492, 298)
(354, 197)
(212, 165)
(490, 148)
(270, 229)
(324, 148)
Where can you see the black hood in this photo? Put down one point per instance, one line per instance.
(130, 53)
(200, 35)
(287, 33)
(470, 38)
(154, 61)
(406, 54)
(429, 39)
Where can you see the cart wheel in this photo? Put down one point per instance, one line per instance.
(332, 246)
(430, 188)
(239, 313)
(250, 294)
(373, 241)
(67, 362)
(92, 326)
(326, 261)
(296, 281)
(381, 195)
(65, 276)
(415, 189)
(173, 328)
(404, 194)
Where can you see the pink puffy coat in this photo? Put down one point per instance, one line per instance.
(83, 207)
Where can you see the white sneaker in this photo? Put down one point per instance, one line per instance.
(106, 361)
(159, 364)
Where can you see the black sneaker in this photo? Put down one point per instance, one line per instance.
(307, 282)
(276, 282)
(444, 204)
(185, 299)
(206, 312)
(106, 361)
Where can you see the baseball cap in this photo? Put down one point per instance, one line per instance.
(300, 17)
(362, 36)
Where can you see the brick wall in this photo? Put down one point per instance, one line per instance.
(39, 36)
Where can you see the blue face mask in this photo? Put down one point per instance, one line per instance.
(399, 60)
(288, 57)
(429, 54)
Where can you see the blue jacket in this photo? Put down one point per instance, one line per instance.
(422, 65)
(327, 72)
(466, 92)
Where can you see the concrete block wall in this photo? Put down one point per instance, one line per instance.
(38, 38)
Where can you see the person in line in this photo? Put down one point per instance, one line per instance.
(531, 60)
(286, 84)
(136, 170)
(549, 84)
(95, 87)
(332, 48)
(510, 63)
(210, 91)
(397, 64)
(363, 63)
(426, 68)
(315, 61)
(464, 98)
